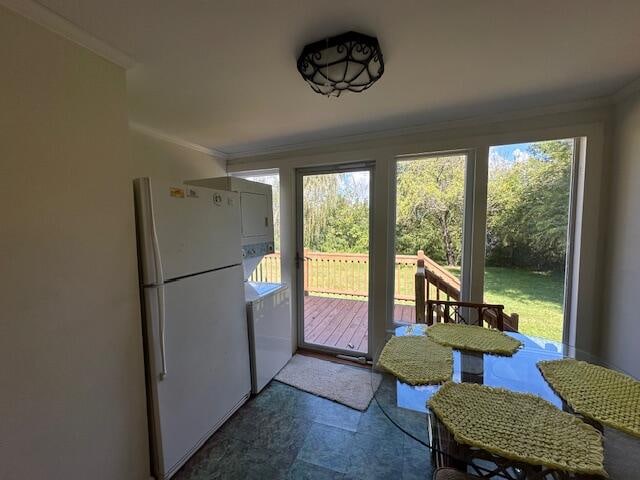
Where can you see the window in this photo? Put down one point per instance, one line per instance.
(529, 198)
(429, 217)
(528, 203)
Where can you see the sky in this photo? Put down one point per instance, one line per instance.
(356, 182)
(499, 156)
(508, 154)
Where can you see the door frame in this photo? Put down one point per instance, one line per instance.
(300, 173)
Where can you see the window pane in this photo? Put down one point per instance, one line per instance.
(527, 219)
(429, 214)
(335, 271)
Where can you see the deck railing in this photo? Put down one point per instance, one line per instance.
(268, 270)
(346, 274)
(432, 282)
(417, 278)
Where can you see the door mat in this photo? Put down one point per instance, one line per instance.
(350, 386)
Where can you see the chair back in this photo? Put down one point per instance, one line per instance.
(483, 314)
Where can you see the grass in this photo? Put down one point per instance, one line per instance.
(536, 296)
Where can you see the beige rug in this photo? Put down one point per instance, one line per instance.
(351, 386)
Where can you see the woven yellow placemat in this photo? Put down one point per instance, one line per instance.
(473, 337)
(518, 426)
(417, 360)
(599, 393)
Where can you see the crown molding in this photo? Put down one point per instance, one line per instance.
(593, 103)
(597, 102)
(629, 89)
(49, 19)
(152, 132)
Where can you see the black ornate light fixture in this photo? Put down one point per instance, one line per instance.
(350, 61)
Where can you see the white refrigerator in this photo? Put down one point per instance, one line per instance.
(195, 330)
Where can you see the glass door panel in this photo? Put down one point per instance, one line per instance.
(333, 259)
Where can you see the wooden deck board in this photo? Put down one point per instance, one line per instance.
(338, 322)
(353, 333)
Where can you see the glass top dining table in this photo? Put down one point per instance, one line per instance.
(406, 406)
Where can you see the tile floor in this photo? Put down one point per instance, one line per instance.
(284, 433)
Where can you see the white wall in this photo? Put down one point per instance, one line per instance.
(72, 401)
(155, 157)
(620, 318)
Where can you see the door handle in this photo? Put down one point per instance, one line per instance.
(162, 327)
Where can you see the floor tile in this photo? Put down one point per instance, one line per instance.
(286, 434)
(238, 460)
(416, 461)
(375, 458)
(327, 447)
(277, 397)
(374, 422)
(301, 470)
(334, 414)
(279, 433)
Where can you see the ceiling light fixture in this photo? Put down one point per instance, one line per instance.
(351, 61)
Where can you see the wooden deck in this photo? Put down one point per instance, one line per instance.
(342, 323)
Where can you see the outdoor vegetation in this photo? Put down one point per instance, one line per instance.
(336, 212)
(528, 208)
(535, 295)
(527, 216)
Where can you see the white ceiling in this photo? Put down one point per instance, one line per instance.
(222, 74)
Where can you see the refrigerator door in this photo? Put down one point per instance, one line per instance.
(206, 362)
(184, 229)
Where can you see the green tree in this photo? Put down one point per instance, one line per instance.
(527, 209)
(321, 199)
(527, 212)
(430, 205)
(336, 213)
(348, 228)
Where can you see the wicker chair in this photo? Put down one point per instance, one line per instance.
(452, 312)
(446, 306)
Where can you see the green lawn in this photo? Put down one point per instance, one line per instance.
(536, 296)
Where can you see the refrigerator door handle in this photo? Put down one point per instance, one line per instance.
(157, 260)
(161, 315)
(147, 233)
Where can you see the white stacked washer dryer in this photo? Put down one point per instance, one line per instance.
(268, 304)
